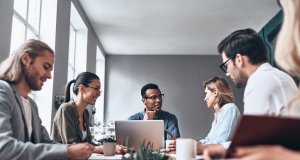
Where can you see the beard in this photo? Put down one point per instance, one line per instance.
(31, 78)
(241, 80)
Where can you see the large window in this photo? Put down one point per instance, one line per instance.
(77, 45)
(26, 21)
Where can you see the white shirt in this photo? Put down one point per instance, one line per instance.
(28, 115)
(268, 92)
(84, 133)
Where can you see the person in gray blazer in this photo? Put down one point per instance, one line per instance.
(22, 135)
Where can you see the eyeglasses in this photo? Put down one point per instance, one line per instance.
(160, 96)
(97, 89)
(223, 67)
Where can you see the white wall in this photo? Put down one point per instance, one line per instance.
(179, 78)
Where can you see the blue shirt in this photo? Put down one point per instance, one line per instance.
(223, 125)
(170, 121)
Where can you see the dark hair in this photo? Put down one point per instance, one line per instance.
(83, 78)
(146, 87)
(246, 42)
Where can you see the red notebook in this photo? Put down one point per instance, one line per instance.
(266, 130)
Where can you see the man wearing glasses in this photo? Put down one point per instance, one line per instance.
(268, 89)
(152, 98)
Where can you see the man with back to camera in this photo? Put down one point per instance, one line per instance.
(22, 135)
(152, 98)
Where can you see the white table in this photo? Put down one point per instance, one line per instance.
(96, 156)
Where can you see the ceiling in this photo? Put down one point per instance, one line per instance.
(172, 27)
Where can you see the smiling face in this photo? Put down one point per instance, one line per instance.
(92, 91)
(235, 73)
(153, 104)
(38, 70)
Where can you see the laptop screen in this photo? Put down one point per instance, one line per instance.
(137, 131)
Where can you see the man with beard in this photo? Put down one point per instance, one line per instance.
(268, 89)
(22, 135)
(152, 98)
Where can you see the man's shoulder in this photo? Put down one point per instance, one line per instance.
(136, 116)
(167, 114)
(269, 76)
(7, 90)
(4, 84)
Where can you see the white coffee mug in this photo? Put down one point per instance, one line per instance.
(186, 149)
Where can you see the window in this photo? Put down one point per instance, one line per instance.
(26, 22)
(77, 45)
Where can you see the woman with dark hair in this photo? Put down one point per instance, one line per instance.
(71, 122)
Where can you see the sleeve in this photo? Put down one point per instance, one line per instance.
(173, 127)
(65, 125)
(11, 147)
(226, 123)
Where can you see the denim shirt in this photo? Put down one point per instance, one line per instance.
(223, 125)
(170, 122)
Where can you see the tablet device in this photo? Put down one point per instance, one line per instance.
(266, 130)
(138, 131)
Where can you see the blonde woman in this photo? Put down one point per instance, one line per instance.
(219, 97)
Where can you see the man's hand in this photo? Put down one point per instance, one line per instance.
(80, 151)
(171, 145)
(274, 152)
(149, 115)
(214, 151)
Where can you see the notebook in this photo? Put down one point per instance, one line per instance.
(266, 130)
(139, 130)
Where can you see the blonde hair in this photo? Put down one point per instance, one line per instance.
(222, 89)
(287, 51)
(11, 69)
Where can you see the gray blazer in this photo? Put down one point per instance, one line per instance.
(14, 138)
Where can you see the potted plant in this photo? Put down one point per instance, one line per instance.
(145, 152)
(109, 146)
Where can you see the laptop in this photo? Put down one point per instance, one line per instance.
(266, 130)
(138, 131)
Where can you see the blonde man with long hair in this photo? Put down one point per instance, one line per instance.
(22, 135)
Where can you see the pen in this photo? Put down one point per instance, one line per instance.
(172, 135)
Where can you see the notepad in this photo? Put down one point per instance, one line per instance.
(266, 130)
